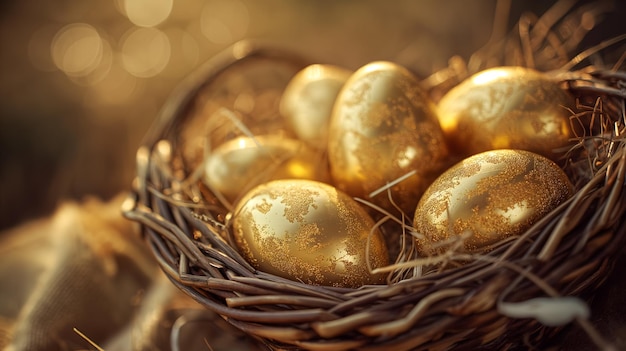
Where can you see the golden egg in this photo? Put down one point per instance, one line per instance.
(308, 99)
(488, 197)
(507, 108)
(308, 231)
(383, 128)
(242, 163)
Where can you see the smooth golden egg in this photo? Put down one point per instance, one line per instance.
(308, 231)
(308, 100)
(384, 127)
(507, 108)
(488, 197)
(240, 164)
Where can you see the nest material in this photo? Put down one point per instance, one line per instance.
(568, 253)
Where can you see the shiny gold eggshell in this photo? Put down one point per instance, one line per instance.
(308, 231)
(242, 163)
(489, 196)
(383, 127)
(507, 108)
(308, 99)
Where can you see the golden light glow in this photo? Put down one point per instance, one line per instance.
(517, 213)
(146, 13)
(77, 49)
(101, 70)
(300, 169)
(145, 52)
(315, 72)
(406, 156)
(488, 76)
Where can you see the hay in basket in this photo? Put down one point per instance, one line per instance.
(521, 293)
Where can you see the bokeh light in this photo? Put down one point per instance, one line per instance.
(77, 49)
(146, 13)
(100, 70)
(145, 51)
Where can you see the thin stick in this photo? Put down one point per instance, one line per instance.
(391, 184)
(87, 339)
(585, 54)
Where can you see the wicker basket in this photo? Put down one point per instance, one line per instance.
(568, 253)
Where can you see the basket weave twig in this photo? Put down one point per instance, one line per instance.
(567, 253)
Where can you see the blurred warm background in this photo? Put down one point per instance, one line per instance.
(81, 81)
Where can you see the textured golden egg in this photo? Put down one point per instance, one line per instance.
(308, 231)
(507, 108)
(384, 127)
(242, 163)
(489, 197)
(308, 99)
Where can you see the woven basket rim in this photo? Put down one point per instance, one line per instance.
(434, 311)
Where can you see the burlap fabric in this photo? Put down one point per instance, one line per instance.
(85, 271)
(83, 275)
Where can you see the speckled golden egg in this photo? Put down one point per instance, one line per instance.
(308, 231)
(308, 99)
(384, 127)
(488, 197)
(507, 108)
(242, 163)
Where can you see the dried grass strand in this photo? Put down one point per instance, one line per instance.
(423, 306)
